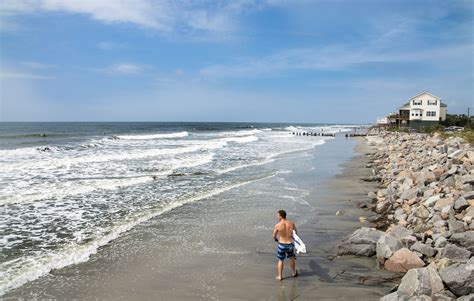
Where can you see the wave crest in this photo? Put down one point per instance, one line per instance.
(154, 136)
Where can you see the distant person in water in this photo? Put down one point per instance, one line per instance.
(283, 234)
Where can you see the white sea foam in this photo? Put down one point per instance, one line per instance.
(48, 163)
(58, 190)
(240, 139)
(155, 136)
(18, 272)
(293, 128)
(239, 133)
(25, 151)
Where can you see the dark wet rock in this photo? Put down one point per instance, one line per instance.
(459, 278)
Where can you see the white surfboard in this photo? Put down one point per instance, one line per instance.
(299, 244)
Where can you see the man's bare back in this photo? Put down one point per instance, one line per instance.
(284, 230)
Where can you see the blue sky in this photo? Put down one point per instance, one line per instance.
(242, 60)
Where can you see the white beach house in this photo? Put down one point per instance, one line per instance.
(423, 109)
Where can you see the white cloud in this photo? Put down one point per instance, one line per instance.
(337, 57)
(161, 15)
(4, 75)
(124, 69)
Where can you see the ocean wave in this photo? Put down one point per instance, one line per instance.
(111, 155)
(154, 136)
(293, 128)
(16, 273)
(240, 139)
(70, 187)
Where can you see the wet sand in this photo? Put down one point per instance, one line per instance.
(220, 248)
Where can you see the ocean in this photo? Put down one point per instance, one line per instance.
(66, 189)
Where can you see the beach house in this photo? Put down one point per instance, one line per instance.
(424, 109)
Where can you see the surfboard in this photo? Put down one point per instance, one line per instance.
(299, 244)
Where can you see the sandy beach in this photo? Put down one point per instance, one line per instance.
(221, 249)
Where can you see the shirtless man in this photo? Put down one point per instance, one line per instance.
(283, 234)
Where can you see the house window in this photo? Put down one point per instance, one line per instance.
(431, 113)
(432, 102)
(417, 102)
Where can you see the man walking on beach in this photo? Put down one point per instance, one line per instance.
(283, 234)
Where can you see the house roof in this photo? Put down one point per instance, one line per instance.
(407, 106)
(426, 93)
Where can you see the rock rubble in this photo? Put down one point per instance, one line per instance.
(425, 215)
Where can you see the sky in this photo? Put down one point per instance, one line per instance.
(243, 60)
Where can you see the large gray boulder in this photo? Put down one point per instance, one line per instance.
(421, 281)
(387, 245)
(423, 249)
(459, 278)
(361, 242)
(401, 232)
(464, 239)
(454, 253)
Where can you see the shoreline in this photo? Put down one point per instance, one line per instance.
(236, 271)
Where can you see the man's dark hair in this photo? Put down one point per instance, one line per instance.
(282, 213)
